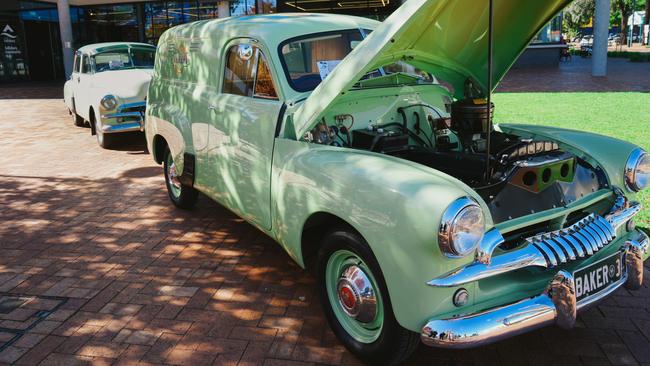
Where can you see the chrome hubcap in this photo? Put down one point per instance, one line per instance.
(356, 295)
(172, 176)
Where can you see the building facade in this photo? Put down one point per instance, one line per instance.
(30, 41)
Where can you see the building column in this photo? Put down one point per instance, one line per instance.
(142, 21)
(65, 27)
(223, 9)
(601, 31)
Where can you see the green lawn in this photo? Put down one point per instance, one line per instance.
(621, 115)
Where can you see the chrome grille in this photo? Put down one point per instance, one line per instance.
(584, 238)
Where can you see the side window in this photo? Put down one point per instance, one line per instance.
(247, 73)
(239, 75)
(85, 67)
(77, 62)
(264, 87)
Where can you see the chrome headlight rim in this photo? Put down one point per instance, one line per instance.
(109, 102)
(631, 167)
(446, 231)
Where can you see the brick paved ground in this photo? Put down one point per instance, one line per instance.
(575, 76)
(96, 266)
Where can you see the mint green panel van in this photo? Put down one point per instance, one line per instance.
(366, 150)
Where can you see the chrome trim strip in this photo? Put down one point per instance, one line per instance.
(122, 111)
(595, 245)
(123, 127)
(124, 106)
(491, 240)
(608, 229)
(525, 257)
(619, 218)
(556, 249)
(630, 169)
(578, 248)
(600, 242)
(596, 229)
(568, 248)
(583, 241)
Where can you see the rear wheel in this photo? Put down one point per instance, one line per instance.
(356, 302)
(181, 195)
(76, 119)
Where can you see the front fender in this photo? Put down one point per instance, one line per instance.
(394, 204)
(609, 153)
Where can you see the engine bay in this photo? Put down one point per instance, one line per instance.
(514, 175)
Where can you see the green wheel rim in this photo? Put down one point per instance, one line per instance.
(172, 177)
(363, 332)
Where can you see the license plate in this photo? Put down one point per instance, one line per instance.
(597, 276)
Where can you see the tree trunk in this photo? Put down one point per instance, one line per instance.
(624, 29)
(647, 12)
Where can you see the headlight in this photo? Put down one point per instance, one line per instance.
(637, 170)
(109, 102)
(462, 228)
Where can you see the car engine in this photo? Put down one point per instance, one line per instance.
(523, 176)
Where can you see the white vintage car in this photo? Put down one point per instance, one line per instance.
(108, 87)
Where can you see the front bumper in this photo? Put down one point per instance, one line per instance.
(127, 118)
(557, 304)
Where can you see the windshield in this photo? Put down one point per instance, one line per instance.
(308, 60)
(131, 58)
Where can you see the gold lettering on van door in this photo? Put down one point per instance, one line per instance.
(181, 58)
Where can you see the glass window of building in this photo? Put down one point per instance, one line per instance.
(110, 23)
(208, 9)
(242, 7)
(551, 33)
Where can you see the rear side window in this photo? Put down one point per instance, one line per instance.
(247, 73)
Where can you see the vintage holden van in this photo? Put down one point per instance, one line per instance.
(365, 149)
(108, 88)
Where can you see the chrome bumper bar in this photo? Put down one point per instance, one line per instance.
(123, 127)
(557, 304)
(130, 111)
(547, 250)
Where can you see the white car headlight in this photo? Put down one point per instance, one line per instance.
(462, 227)
(637, 170)
(109, 102)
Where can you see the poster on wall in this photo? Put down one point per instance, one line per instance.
(12, 56)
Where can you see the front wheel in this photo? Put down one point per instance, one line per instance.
(356, 302)
(105, 140)
(181, 195)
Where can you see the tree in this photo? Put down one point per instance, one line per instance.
(624, 9)
(578, 14)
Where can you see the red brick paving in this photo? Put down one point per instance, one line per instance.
(575, 76)
(147, 283)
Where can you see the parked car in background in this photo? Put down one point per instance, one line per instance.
(586, 44)
(108, 88)
(365, 150)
